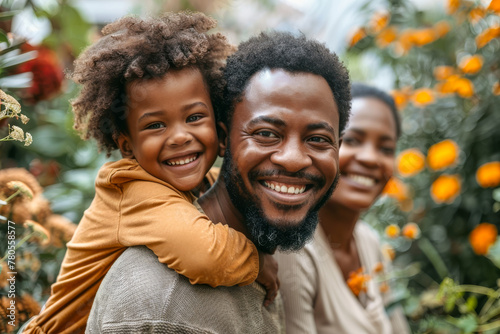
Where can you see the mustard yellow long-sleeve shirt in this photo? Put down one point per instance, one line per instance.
(130, 208)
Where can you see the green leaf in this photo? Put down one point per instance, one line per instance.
(496, 194)
(494, 253)
(4, 38)
(4, 16)
(467, 323)
(11, 60)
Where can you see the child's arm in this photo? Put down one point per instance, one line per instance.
(268, 277)
(185, 239)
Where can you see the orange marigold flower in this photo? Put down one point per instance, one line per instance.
(378, 22)
(378, 267)
(486, 36)
(496, 88)
(392, 231)
(396, 189)
(441, 29)
(453, 6)
(404, 42)
(422, 97)
(410, 162)
(476, 14)
(422, 37)
(494, 6)
(482, 237)
(443, 154)
(471, 64)
(357, 281)
(388, 252)
(445, 188)
(464, 87)
(443, 72)
(488, 174)
(386, 37)
(401, 97)
(384, 287)
(411, 231)
(356, 36)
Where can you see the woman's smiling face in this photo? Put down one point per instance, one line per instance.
(367, 154)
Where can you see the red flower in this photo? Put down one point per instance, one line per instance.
(47, 74)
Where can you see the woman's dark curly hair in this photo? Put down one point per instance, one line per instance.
(136, 48)
(282, 50)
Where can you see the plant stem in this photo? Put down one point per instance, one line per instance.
(430, 251)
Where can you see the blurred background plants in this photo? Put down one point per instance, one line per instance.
(440, 215)
(446, 73)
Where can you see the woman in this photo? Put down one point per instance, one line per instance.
(315, 282)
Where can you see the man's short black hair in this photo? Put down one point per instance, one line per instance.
(363, 90)
(283, 50)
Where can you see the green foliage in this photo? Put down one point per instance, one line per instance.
(469, 120)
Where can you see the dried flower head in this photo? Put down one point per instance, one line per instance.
(11, 108)
(16, 133)
(24, 119)
(22, 187)
(29, 139)
(40, 233)
(482, 237)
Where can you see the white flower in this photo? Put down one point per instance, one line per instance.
(28, 140)
(25, 119)
(17, 133)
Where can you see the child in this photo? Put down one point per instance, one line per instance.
(147, 87)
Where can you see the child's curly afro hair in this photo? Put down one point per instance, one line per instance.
(141, 48)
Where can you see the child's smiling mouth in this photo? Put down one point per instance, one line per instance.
(179, 161)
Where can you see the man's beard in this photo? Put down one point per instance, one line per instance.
(270, 235)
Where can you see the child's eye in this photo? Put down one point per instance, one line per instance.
(193, 118)
(154, 126)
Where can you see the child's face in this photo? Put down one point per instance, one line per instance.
(172, 132)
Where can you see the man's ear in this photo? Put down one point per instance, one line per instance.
(222, 134)
(125, 147)
(340, 141)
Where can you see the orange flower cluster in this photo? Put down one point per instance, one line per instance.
(388, 252)
(456, 84)
(392, 231)
(422, 97)
(445, 188)
(410, 162)
(487, 35)
(471, 64)
(442, 155)
(482, 237)
(357, 281)
(401, 97)
(396, 189)
(385, 34)
(494, 6)
(411, 231)
(443, 72)
(452, 6)
(488, 174)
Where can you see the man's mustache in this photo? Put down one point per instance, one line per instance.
(318, 180)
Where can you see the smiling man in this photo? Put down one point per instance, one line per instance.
(287, 100)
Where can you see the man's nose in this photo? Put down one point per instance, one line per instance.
(292, 156)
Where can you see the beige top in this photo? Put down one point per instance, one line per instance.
(317, 298)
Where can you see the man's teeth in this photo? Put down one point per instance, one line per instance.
(285, 189)
(181, 162)
(363, 180)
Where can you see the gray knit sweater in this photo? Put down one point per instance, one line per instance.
(141, 295)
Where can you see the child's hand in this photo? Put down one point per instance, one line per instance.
(268, 277)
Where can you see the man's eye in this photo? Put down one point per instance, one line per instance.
(318, 139)
(154, 126)
(267, 134)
